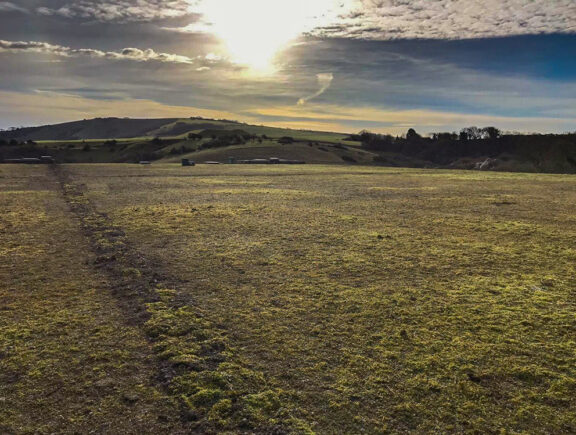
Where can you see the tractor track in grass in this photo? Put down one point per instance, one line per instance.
(130, 276)
(192, 354)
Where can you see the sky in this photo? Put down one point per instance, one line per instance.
(334, 65)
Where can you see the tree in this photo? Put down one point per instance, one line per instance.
(412, 136)
(444, 137)
(471, 133)
(286, 140)
(378, 142)
(492, 132)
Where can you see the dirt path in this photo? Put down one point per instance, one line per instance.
(71, 361)
(194, 361)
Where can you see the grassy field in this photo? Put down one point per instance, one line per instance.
(327, 299)
(69, 360)
(309, 153)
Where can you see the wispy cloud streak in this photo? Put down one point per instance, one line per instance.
(11, 7)
(133, 54)
(325, 81)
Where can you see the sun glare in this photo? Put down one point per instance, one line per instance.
(255, 31)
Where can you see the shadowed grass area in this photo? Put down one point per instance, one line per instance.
(377, 299)
(309, 153)
(69, 362)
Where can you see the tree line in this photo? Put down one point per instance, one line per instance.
(445, 147)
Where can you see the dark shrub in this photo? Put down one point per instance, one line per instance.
(286, 140)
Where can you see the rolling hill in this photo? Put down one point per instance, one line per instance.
(115, 140)
(122, 128)
(98, 128)
(123, 140)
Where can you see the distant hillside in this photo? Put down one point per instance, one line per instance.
(123, 128)
(114, 140)
(99, 128)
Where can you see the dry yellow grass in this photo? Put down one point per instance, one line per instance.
(69, 362)
(347, 299)
(398, 299)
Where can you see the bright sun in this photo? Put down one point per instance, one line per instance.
(254, 31)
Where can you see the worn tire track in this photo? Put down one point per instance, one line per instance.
(149, 300)
(131, 277)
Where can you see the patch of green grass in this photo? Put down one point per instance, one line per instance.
(380, 300)
(227, 395)
(324, 299)
(195, 355)
(303, 151)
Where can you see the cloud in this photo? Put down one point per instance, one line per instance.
(51, 107)
(398, 121)
(449, 19)
(325, 81)
(133, 54)
(120, 10)
(11, 7)
(355, 19)
(368, 19)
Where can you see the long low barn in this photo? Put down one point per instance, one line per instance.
(271, 161)
(31, 160)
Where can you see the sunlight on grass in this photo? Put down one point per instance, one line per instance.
(377, 299)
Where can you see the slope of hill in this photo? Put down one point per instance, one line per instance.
(121, 128)
(114, 140)
(307, 152)
(99, 128)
